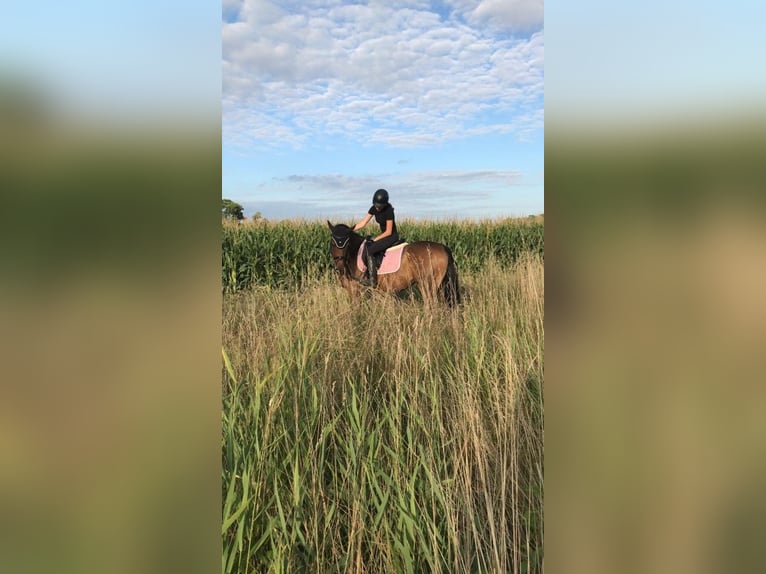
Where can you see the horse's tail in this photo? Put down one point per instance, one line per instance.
(449, 287)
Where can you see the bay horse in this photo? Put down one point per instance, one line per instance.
(425, 264)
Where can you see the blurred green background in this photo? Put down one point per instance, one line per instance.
(110, 174)
(656, 321)
(656, 274)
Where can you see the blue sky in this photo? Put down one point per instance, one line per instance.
(126, 61)
(440, 102)
(619, 65)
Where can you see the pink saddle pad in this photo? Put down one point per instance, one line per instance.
(391, 260)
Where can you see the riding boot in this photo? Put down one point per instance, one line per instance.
(372, 271)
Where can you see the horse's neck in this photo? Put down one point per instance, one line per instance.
(353, 250)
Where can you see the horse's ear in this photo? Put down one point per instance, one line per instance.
(329, 225)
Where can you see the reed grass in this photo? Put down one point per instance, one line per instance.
(384, 436)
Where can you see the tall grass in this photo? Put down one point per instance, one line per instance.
(384, 436)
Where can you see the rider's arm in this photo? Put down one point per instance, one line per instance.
(362, 223)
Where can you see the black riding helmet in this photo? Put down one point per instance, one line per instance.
(380, 199)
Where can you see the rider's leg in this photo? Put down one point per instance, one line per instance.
(367, 278)
(374, 256)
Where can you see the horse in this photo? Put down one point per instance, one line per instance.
(427, 265)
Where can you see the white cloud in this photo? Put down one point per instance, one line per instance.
(518, 16)
(391, 72)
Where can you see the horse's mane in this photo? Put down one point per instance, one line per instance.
(342, 230)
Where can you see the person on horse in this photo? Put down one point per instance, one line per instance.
(383, 212)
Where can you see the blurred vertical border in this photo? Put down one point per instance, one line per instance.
(656, 298)
(110, 171)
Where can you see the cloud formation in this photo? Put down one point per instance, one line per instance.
(521, 16)
(396, 72)
(444, 193)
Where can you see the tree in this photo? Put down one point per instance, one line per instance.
(232, 210)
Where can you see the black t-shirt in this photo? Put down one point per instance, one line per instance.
(384, 215)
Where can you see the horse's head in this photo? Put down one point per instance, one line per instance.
(341, 235)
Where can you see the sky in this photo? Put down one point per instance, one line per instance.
(622, 63)
(124, 61)
(439, 102)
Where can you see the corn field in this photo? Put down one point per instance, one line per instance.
(289, 253)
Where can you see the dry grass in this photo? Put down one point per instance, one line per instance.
(385, 437)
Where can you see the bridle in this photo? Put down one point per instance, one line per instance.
(342, 243)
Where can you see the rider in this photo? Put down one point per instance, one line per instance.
(383, 212)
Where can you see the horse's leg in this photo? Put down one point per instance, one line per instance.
(431, 278)
(436, 272)
(426, 286)
(439, 283)
(352, 288)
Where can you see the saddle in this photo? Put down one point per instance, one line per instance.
(387, 262)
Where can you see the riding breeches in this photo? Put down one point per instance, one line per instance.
(382, 244)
